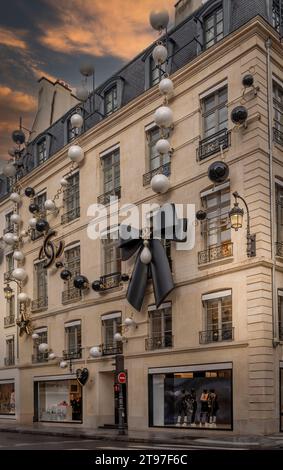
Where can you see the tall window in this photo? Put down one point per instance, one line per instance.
(42, 151)
(111, 324)
(156, 73)
(155, 159)
(110, 101)
(41, 288)
(9, 263)
(111, 254)
(280, 314)
(216, 227)
(72, 131)
(111, 172)
(279, 218)
(43, 338)
(276, 20)
(11, 310)
(160, 327)
(39, 200)
(72, 262)
(218, 317)
(8, 224)
(213, 28)
(72, 198)
(278, 112)
(73, 339)
(215, 112)
(10, 351)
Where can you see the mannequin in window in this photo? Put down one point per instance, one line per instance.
(213, 407)
(194, 405)
(76, 404)
(182, 407)
(204, 408)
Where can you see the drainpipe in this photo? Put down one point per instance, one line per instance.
(268, 46)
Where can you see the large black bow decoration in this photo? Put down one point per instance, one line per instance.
(158, 269)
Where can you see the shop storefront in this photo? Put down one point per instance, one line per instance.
(58, 399)
(7, 398)
(281, 396)
(196, 397)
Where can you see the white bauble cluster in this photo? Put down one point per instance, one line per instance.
(49, 205)
(76, 153)
(146, 256)
(15, 197)
(162, 146)
(43, 348)
(163, 117)
(19, 274)
(9, 238)
(16, 219)
(64, 182)
(160, 184)
(18, 255)
(63, 364)
(159, 19)
(77, 121)
(24, 298)
(166, 87)
(95, 351)
(32, 222)
(159, 54)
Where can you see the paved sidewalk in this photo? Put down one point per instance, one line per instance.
(179, 437)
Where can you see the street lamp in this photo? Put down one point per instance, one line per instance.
(8, 292)
(236, 216)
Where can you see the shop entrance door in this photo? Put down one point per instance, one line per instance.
(116, 403)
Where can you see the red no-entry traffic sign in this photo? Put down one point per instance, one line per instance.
(122, 378)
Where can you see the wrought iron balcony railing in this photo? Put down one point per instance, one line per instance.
(9, 361)
(105, 198)
(71, 295)
(70, 354)
(279, 249)
(7, 275)
(70, 215)
(162, 170)
(159, 342)
(215, 253)
(39, 304)
(213, 144)
(39, 358)
(110, 349)
(9, 321)
(216, 336)
(109, 281)
(277, 136)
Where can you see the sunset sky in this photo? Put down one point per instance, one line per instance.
(52, 37)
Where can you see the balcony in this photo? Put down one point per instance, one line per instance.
(279, 249)
(9, 361)
(110, 349)
(162, 170)
(277, 136)
(39, 304)
(39, 358)
(159, 342)
(71, 295)
(109, 281)
(213, 144)
(70, 215)
(70, 354)
(215, 253)
(105, 198)
(9, 321)
(216, 336)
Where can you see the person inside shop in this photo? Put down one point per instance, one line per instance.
(213, 407)
(182, 407)
(76, 404)
(204, 408)
(194, 405)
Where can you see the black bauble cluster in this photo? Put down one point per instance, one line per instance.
(33, 208)
(201, 215)
(42, 225)
(239, 115)
(96, 285)
(218, 172)
(29, 192)
(65, 274)
(81, 282)
(248, 80)
(125, 277)
(18, 136)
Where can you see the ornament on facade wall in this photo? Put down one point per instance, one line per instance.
(50, 251)
(82, 376)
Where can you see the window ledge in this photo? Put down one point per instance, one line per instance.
(213, 156)
(218, 262)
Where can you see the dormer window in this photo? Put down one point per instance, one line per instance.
(42, 151)
(111, 101)
(213, 28)
(72, 131)
(156, 73)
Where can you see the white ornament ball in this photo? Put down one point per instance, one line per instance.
(15, 197)
(63, 364)
(64, 182)
(49, 205)
(146, 256)
(9, 238)
(35, 336)
(52, 356)
(162, 146)
(19, 274)
(15, 238)
(159, 54)
(82, 94)
(160, 184)
(129, 321)
(32, 222)
(166, 86)
(77, 121)
(9, 170)
(43, 348)
(94, 352)
(16, 219)
(159, 19)
(76, 153)
(87, 69)
(118, 337)
(163, 116)
(18, 255)
(23, 297)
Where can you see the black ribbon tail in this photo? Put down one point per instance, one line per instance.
(161, 273)
(137, 284)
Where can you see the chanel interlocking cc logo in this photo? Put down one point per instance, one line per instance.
(50, 251)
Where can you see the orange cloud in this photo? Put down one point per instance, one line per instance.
(16, 100)
(12, 39)
(115, 27)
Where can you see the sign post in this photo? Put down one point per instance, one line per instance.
(121, 379)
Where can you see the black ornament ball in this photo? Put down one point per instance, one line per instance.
(81, 282)
(239, 115)
(248, 80)
(18, 136)
(42, 225)
(124, 277)
(29, 192)
(33, 208)
(218, 172)
(201, 215)
(65, 274)
(96, 285)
